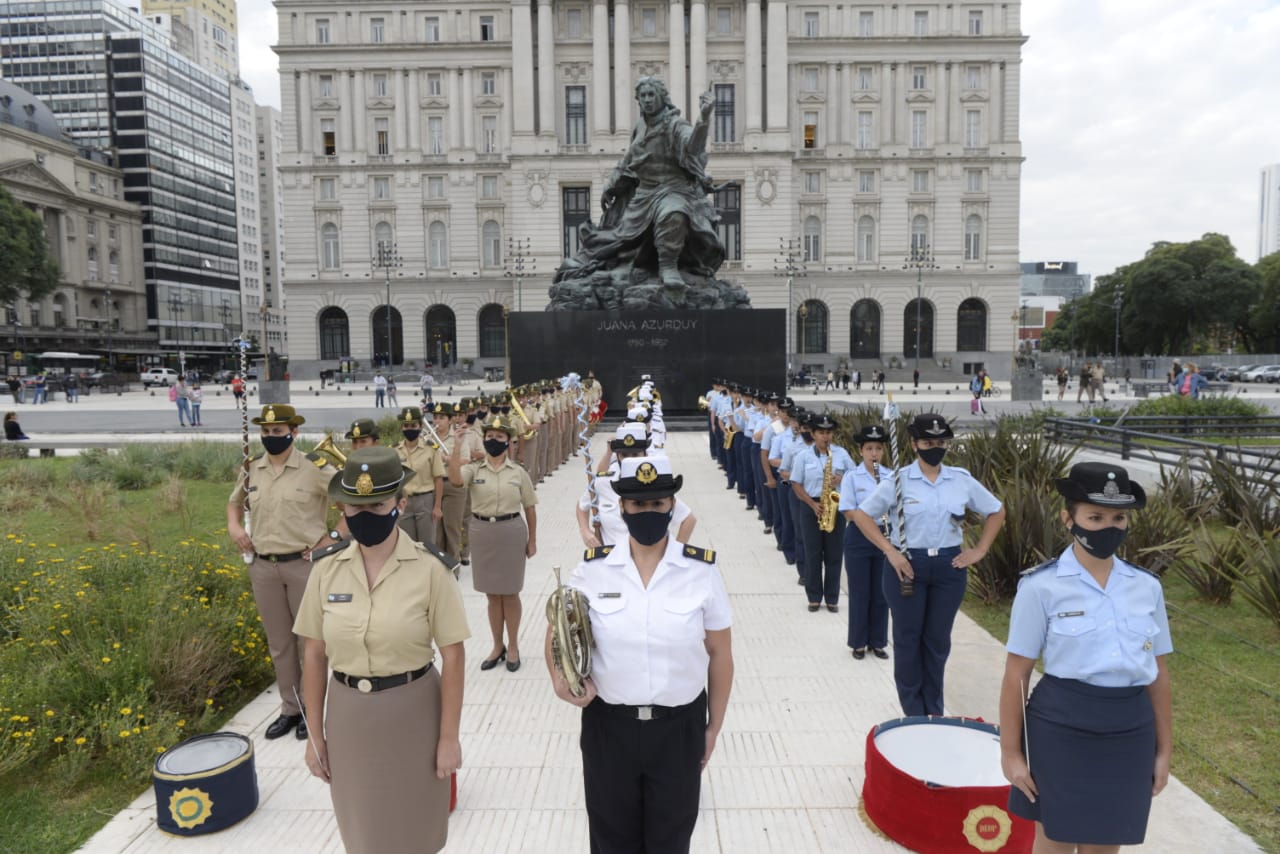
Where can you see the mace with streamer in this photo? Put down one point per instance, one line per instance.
(907, 586)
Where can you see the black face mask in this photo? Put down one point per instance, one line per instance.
(1101, 544)
(471, 418)
(647, 528)
(411, 435)
(932, 456)
(807, 437)
(369, 528)
(481, 413)
(277, 444)
(495, 447)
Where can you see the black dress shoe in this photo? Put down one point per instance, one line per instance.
(835, 609)
(880, 654)
(513, 666)
(281, 725)
(791, 561)
(860, 654)
(813, 607)
(301, 732)
(768, 530)
(490, 663)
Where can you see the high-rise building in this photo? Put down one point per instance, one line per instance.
(204, 30)
(244, 120)
(1269, 211)
(271, 206)
(861, 132)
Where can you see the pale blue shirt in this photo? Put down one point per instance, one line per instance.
(779, 442)
(789, 452)
(934, 510)
(856, 488)
(809, 466)
(1107, 637)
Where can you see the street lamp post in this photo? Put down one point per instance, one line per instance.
(1118, 303)
(107, 306)
(519, 263)
(388, 259)
(920, 259)
(506, 342)
(263, 311)
(790, 263)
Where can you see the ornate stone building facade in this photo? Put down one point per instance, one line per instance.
(466, 137)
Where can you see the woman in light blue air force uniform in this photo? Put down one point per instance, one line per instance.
(1098, 727)
(863, 562)
(934, 498)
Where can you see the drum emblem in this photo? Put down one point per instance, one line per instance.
(189, 807)
(987, 828)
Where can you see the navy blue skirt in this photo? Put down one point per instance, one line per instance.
(1092, 755)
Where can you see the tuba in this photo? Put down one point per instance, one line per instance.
(332, 451)
(827, 507)
(571, 639)
(515, 404)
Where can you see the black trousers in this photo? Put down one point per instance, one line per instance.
(643, 779)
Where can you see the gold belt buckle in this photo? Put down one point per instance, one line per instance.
(364, 686)
(644, 713)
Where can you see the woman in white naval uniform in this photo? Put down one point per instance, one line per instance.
(661, 672)
(628, 441)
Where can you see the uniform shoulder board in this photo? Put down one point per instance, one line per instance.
(1150, 572)
(257, 456)
(319, 459)
(704, 555)
(336, 546)
(450, 562)
(596, 553)
(1046, 565)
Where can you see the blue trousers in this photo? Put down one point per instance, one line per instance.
(785, 529)
(731, 461)
(717, 445)
(757, 477)
(712, 430)
(868, 610)
(922, 627)
(746, 477)
(824, 553)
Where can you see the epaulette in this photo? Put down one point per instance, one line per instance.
(1150, 572)
(450, 562)
(1053, 561)
(336, 546)
(704, 555)
(319, 459)
(257, 457)
(594, 554)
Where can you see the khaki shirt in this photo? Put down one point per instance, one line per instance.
(427, 464)
(498, 492)
(287, 509)
(471, 444)
(390, 628)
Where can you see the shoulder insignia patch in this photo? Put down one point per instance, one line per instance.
(595, 554)
(329, 549)
(319, 459)
(449, 561)
(704, 555)
(1150, 572)
(1052, 562)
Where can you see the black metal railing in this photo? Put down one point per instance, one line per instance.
(1161, 439)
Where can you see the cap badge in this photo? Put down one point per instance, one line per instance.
(646, 474)
(1112, 489)
(364, 484)
(935, 430)
(269, 415)
(355, 432)
(628, 440)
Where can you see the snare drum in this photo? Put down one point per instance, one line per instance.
(935, 785)
(205, 784)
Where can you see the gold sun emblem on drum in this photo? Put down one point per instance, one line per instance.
(646, 474)
(190, 807)
(364, 484)
(987, 828)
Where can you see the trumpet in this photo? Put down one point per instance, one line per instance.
(703, 403)
(571, 638)
(327, 447)
(515, 404)
(435, 437)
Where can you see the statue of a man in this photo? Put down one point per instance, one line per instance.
(656, 210)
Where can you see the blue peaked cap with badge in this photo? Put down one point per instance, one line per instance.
(1104, 484)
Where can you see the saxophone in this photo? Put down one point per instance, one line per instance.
(571, 639)
(830, 500)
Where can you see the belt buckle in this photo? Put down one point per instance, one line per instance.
(933, 552)
(364, 686)
(493, 518)
(644, 713)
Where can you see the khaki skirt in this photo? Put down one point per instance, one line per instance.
(497, 555)
(382, 760)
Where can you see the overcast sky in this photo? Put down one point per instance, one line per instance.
(1142, 120)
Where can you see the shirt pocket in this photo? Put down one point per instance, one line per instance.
(1143, 626)
(606, 615)
(1073, 627)
(679, 623)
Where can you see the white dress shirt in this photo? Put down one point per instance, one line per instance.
(613, 531)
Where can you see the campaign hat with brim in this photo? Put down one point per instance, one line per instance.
(370, 475)
(442, 408)
(871, 433)
(279, 413)
(410, 414)
(929, 425)
(363, 428)
(645, 478)
(500, 422)
(1103, 484)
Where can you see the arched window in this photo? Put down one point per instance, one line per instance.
(382, 236)
(493, 332)
(812, 239)
(442, 336)
(973, 238)
(864, 330)
(93, 262)
(811, 327)
(330, 250)
(113, 267)
(920, 319)
(491, 243)
(919, 234)
(866, 239)
(438, 245)
(335, 336)
(384, 353)
(971, 326)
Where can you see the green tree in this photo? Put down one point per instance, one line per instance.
(26, 267)
(1265, 320)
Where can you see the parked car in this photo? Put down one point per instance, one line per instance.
(159, 376)
(1255, 375)
(1271, 373)
(1233, 374)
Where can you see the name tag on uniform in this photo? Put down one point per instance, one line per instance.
(610, 595)
(339, 597)
(477, 480)
(1062, 614)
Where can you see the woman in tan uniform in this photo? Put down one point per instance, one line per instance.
(500, 539)
(387, 741)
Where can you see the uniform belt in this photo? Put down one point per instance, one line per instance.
(945, 551)
(416, 494)
(645, 713)
(495, 518)
(373, 684)
(283, 558)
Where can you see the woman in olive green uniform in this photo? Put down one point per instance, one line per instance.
(500, 538)
(387, 739)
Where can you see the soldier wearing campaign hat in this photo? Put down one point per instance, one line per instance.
(424, 506)
(452, 527)
(363, 433)
(863, 562)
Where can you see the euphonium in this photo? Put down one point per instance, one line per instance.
(830, 501)
(571, 639)
(515, 404)
(329, 449)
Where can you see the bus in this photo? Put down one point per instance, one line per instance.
(59, 363)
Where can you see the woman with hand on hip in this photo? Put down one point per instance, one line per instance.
(1099, 726)
(500, 538)
(387, 737)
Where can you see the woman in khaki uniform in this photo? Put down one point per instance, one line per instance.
(500, 539)
(387, 739)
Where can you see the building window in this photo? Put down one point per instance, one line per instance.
(813, 182)
(488, 186)
(113, 267)
(973, 77)
(919, 180)
(866, 181)
(112, 233)
(810, 121)
(334, 338)
(971, 326)
(726, 124)
(380, 85)
(973, 181)
(575, 115)
(325, 86)
(435, 187)
(573, 23)
(866, 78)
(435, 85)
(866, 237)
(438, 245)
(921, 24)
(812, 239)
(382, 135)
(435, 134)
(330, 249)
(377, 30)
(491, 244)
(93, 263)
(973, 238)
(328, 189)
(729, 208)
(811, 326)
(488, 82)
(433, 29)
(493, 332)
(329, 136)
(575, 209)
(487, 33)
(919, 234)
(383, 239)
(724, 21)
(972, 128)
(649, 22)
(866, 24)
(866, 130)
(381, 188)
(975, 22)
(919, 77)
(489, 134)
(322, 30)
(919, 129)
(811, 25)
(809, 78)
(864, 331)
(91, 228)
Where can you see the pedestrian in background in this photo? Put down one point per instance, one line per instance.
(15, 388)
(41, 388)
(392, 400)
(1086, 375)
(426, 382)
(379, 390)
(12, 429)
(197, 398)
(1062, 381)
(178, 397)
(71, 385)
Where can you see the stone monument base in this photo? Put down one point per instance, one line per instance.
(1027, 384)
(273, 391)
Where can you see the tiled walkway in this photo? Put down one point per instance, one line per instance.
(786, 774)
